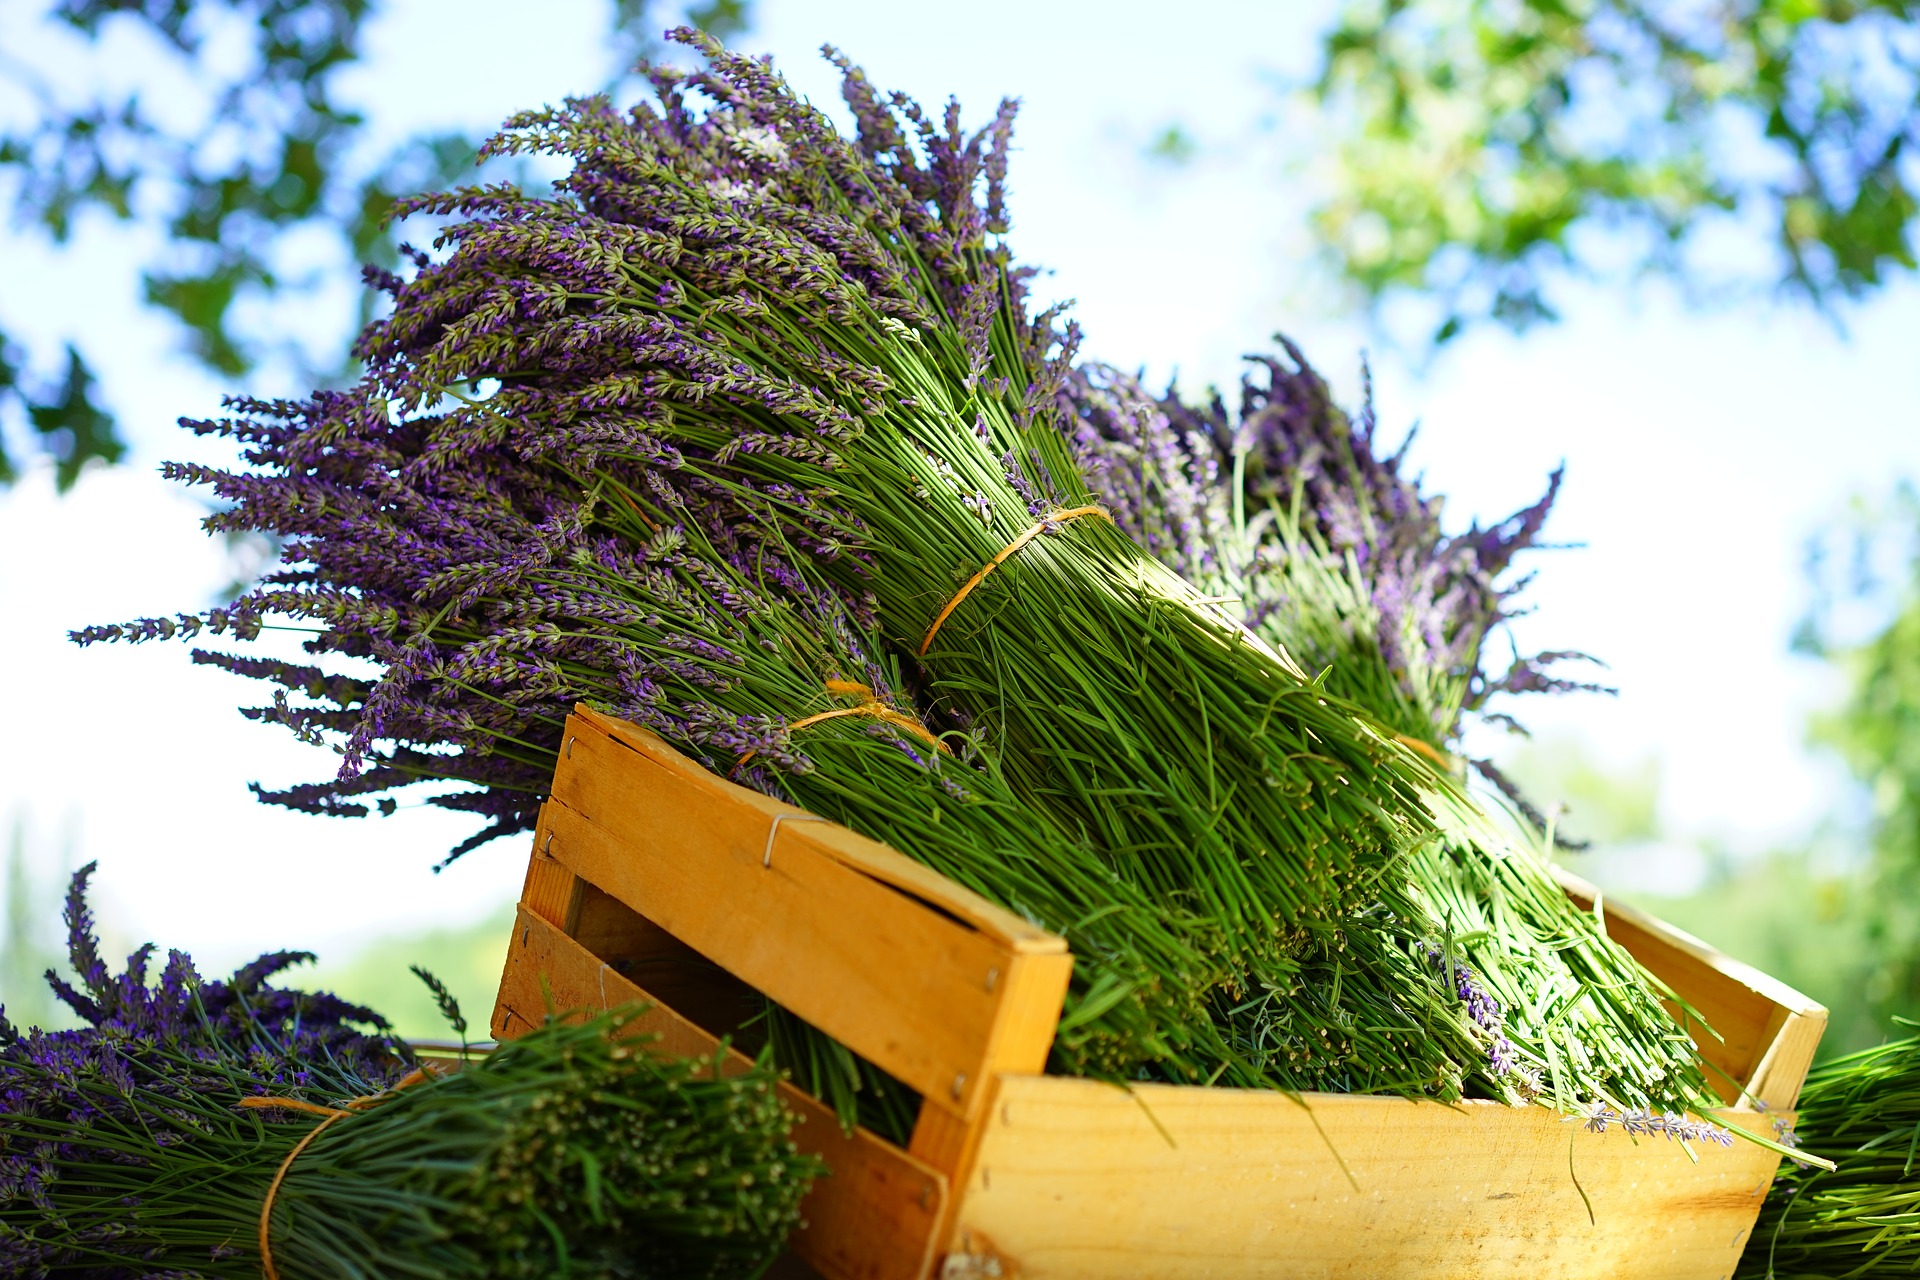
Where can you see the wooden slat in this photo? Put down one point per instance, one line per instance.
(873, 1217)
(552, 892)
(879, 861)
(1764, 1032)
(1074, 1179)
(931, 999)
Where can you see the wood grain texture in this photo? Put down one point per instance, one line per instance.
(552, 892)
(1074, 1179)
(930, 998)
(873, 1217)
(1764, 1033)
(879, 861)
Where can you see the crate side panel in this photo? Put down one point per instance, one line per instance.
(912, 990)
(882, 862)
(873, 1217)
(552, 892)
(1074, 1179)
(1763, 1032)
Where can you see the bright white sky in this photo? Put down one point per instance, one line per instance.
(1701, 451)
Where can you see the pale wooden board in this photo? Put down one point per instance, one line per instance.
(872, 1218)
(930, 999)
(1074, 1180)
(883, 863)
(1764, 1033)
(552, 892)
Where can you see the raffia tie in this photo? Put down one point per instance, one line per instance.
(1040, 526)
(1428, 750)
(872, 708)
(354, 1107)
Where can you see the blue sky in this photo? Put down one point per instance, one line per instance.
(1701, 448)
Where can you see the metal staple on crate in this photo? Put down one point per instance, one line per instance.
(774, 830)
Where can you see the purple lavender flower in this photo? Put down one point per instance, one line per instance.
(1641, 1123)
(1165, 467)
(1482, 1009)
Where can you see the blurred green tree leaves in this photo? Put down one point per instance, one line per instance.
(1866, 620)
(274, 156)
(1484, 146)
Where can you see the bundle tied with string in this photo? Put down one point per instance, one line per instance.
(553, 487)
(226, 1130)
(871, 708)
(1286, 506)
(1850, 1206)
(829, 335)
(328, 1115)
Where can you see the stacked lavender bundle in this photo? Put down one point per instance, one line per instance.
(226, 1129)
(1289, 507)
(752, 422)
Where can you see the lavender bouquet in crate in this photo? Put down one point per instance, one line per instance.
(752, 423)
(234, 1129)
(609, 495)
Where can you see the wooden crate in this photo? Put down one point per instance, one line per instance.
(653, 880)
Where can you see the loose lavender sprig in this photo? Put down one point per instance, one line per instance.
(1642, 1123)
(1481, 1007)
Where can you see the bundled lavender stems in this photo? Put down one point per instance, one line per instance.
(1333, 553)
(749, 422)
(829, 337)
(1250, 500)
(712, 440)
(1862, 1113)
(138, 1145)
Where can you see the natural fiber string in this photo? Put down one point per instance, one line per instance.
(354, 1107)
(1428, 750)
(1039, 527)
(872, 708)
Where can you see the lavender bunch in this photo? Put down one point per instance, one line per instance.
(658, 607)
(1333, 554)
(526, 587)
(144, 1145)
(708, 440)
(835, 328)
(1290, 486)
(243, 1014)
(1861, 1113)
(716, 440)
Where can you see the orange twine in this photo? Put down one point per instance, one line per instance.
(353, 1107)
(872, 708)
(1427, 749)
(1040, 526)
